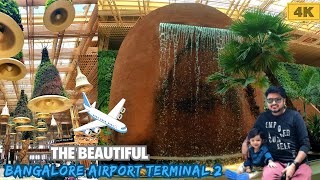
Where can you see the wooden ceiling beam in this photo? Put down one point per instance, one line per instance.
(4, 91)
(60, 69)
(16, 89)
(53, 50)
(93, 21)
(23, 3)
(113, 13)
(57, 54)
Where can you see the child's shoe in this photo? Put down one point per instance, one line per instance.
(230, 174)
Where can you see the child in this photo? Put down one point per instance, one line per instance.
(258, 156)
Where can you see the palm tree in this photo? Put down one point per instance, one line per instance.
(225, 82)
(309, 88)
(263, 43)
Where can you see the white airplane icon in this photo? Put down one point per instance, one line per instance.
(101, 119)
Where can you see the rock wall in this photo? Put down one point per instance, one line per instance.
(187, 123)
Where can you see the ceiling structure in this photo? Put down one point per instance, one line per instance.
(117, 17)
(75, 45)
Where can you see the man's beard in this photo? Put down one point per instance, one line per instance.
(280, 109)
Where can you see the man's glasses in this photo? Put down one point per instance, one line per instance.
(271, 100)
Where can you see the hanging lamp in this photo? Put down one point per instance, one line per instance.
(11, 35)
(5, 112)
(58, 15)
(82, 83)
(48, 95)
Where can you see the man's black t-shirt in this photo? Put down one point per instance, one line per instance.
(285, 134)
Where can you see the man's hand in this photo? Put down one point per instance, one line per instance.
(271, 164)
(244, 151)
(290, 170)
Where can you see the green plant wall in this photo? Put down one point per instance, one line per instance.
(290, 76)
(106, 62)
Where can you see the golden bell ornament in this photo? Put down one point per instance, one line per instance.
(11, 37)
(41, 115)
(21, 120)
(5, 112)
(49, 104)
(82, 83)
(59, 16)
(12, 69)
(25, 128)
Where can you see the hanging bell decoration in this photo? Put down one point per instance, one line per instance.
(48, 95)
(11, 35)
(23, 128)
(41, 136)
(41, 122)
(82, 83)
(5, 112)
(41, 115)
(42, 128)
(12, 69)
(58, 15)
(53, 121)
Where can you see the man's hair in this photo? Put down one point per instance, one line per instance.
(276, 89)
(254, 132)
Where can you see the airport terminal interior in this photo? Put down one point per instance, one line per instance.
(72, 48)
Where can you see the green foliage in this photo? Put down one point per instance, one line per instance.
(265, 40)
(291, 86)
(227, 82)
(300, 81)
(47, 79)
(26, 135)
(313, 125)
(104, 132)
(106, 62)
(10, 7)
(48, 2)
(21, 109)
(19, 57)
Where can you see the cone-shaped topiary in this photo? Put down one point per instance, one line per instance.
(26, 135)
(21, 109)
(10, 121)
(47, 80)
(10, 8)
(19, 57)
(48, 2)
